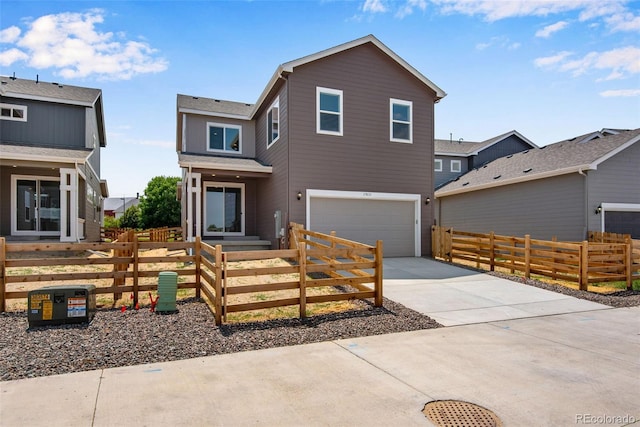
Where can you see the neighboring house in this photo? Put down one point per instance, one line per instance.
(117, 206)
(338, 140)
(587, 183)
(455, 158)
(50, 140)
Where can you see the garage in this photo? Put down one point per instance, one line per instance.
(622, 222)
(367, 217)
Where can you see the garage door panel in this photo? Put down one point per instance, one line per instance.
(623, 223)
(365, 221)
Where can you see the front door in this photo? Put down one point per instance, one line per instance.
(223, 209)
(36, 206)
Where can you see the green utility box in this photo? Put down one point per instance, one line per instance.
(57, 305)
(167, 291)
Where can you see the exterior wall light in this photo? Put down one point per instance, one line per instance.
(299, 195)
(598, 210)
(427, 201)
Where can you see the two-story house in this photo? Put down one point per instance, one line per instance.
(454, 158)
(340, 140)
(50, 140)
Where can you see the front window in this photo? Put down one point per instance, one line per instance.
(329, 111)
(225, 138)
(13, 112)
(456, 166)
(438, 165)
(401, 126)
(273, 123)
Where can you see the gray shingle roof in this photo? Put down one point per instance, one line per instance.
(34, 153)
(222, 163)
(216, 106)
(53, 92)
(554, 159)
(468, 148)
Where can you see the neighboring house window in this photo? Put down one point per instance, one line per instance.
(13, 112)
(401, 120)
(224, 138)
(329, 111)
(273, 123)
(456, 166)
(438, 165)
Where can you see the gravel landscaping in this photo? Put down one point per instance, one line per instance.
(116, 338)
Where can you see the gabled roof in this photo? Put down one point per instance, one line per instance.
(561, 158)
(289, 67)
(49, 92)
(210, 162)
(445, 147)
(217, 107)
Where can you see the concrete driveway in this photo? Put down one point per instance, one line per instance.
(576, 368)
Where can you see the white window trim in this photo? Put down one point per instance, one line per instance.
(459, 165)
(437, 165)
(320, 90)
(275, 104)
(409, 104)
(208, 184)
(14, 204)
(225, 126)
(15, 107)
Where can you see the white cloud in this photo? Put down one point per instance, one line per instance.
(494, 10)
(623, 22)
(550, 29)
(158, 143)
(409, 6)
(71, 44)
(9, 35)
(620, 63)
(620, 93)
(502, 42)
(374, 6)
(8, 57)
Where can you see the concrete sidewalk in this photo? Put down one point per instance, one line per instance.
(558, 369)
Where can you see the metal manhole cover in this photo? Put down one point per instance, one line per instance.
(455, 413)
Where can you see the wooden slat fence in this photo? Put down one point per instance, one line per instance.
(606, 258)
(315, 261)
(162, 234)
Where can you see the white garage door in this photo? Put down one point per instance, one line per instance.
(367, 217)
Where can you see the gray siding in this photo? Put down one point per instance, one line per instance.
(446, 175)
(617, 180)
(47, 125)
(363, 159)
(507, 146)
(92, 139)
(543, 208)
(196, 135)
(274, 192)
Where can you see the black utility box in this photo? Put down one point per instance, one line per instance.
(57, 305)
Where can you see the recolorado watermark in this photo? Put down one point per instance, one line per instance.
(605, 419)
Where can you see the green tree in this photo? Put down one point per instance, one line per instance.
(110, 222)
(159, 206)
(131, 218)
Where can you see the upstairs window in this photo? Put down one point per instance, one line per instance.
(225, 138)
(273, 123)
(456, 166)
(13, 112)
(401, 121)
(329, 111)
(438, 165)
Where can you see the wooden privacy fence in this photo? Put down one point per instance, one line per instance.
(612, 258)
(315, 262)
(162, 234)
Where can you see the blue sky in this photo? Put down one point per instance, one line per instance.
(550, 69)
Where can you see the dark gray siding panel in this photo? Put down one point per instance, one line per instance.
(363, 159)
(273, 192)
(617, 180)
(510, 145)
(446, 175)
(92, 139)
(47, 125)
(543, 208)
(196, 135)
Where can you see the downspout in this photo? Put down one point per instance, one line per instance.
(585, 229)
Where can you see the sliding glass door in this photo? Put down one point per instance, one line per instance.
(36, 206)
(223, 209)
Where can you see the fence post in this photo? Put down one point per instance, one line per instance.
(3, 257)
(136, 264)
(527, 256)
(218, 285)
(378, 272)
(198, 254)
(449, 247)
(302, 262)
(628, 260)
(584, 266)
(492, 251)
(554, 249)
